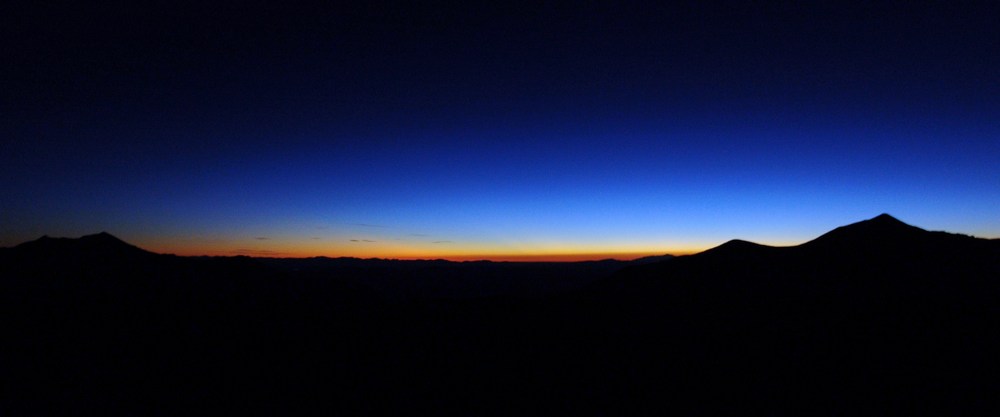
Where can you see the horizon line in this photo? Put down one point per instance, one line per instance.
(560, 257)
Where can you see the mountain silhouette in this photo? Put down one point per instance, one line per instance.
(882, 245)
(102, 245)
(737, 248)
(873, 318)
(883, 225)
(103, 253)
(880, 234)
(878, 306)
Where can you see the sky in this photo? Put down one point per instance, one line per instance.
(494, 131)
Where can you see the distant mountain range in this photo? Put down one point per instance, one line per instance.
(391, 278)
(879, 246)
(101, 245)
(873, 318)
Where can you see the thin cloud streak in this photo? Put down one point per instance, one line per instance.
(258, 252)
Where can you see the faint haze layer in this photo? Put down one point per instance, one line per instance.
(494, 131)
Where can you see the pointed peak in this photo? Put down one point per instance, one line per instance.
(737, 243)
(885, 218)
(102, 237)
(101, 242)
(735, 246)
(879, 229)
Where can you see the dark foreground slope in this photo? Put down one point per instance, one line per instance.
(877, 317)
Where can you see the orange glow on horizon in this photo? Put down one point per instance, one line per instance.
(475, 254)
(367, 247)
(552, 257)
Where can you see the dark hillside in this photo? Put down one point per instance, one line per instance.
(873, 318)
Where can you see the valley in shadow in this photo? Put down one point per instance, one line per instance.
(876, 317)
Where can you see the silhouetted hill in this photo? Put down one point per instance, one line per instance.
(882, 228)
(100, 247)
(650, 259)
(888, 237)
(104, 254)
(737, 249)
(877, 308)
(103, 243)
(874, 318)
(879, 246)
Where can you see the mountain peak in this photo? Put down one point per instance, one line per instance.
(883, 222)
(737, 247)
(103, 238)
(738, 243)
(98, 244)
(885, 218)
(878, 230)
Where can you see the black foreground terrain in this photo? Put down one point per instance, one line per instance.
(874, 318)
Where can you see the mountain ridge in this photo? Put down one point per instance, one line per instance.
(880, 249)
(869, 234)
(108, 243)
(878, 234)
(101, 240)
(837, 327)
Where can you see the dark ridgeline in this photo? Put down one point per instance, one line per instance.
(877, 317)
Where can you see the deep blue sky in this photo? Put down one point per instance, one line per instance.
(486, 131)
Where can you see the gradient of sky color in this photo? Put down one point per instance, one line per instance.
(501, 131)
